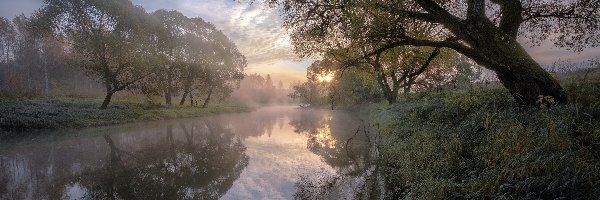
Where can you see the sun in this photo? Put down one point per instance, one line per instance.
(326, 77)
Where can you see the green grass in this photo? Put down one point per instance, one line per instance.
(19, 115)
(480, 145)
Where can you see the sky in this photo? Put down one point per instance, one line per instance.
(258, 33)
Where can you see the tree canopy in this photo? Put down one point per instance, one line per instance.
(128, 49)
(484, 31)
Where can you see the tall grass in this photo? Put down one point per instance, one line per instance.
(480, 145)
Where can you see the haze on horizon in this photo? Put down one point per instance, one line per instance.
(257, 31)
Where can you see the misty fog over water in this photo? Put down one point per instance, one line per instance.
(273, 152)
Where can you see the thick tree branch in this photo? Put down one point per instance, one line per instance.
(407, 13)
(425, 65)
(127, 84)
(475, 10)
(449, 43)
(512, 16)
(440, 14)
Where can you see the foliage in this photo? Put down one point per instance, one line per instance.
(484, 31)
(32, 65)
(479, 145)
(309, 92)
(126, 48)
(193, 55)
(20, 115)
(353, 88)
(106, 38)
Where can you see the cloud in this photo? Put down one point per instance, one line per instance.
(276, 163)
(547, 54)
(256, 29)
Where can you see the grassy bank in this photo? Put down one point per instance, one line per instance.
(18, 115)
(480, 145)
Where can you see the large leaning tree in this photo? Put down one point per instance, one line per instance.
(487, 32)
(105, 36)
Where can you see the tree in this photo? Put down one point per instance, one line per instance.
(269, 82)
(308, 92)
(221, 63)
(7, 38)
(484, 31)
(354, 87)
(106, 36)
(194, 55)
(466, 73)
(171, 35)
(26, 55)
(225, 69)
(222, 79)
(30, 63)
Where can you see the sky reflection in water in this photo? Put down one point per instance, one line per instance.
(259, 155)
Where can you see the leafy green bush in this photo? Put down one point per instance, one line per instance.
(479, 145)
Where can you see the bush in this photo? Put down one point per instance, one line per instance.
(479, 144)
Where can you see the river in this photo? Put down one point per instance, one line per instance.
(278, 152)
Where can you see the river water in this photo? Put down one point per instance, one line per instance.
(272, 153)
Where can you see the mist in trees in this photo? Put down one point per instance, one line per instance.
(116, 46)
(257, 89)
(32, 65)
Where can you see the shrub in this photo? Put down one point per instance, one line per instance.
(479, 144)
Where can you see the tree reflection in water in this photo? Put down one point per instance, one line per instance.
(343, 142)
(203, 165)
(197, 160)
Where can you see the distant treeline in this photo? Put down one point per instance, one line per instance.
(78, 46)
(259, 90)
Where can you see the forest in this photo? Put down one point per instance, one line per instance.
(452, 103)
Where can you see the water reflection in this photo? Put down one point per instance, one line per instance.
(195, 161)
(343, 142)
(272, 153)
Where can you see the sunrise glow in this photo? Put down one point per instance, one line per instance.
(326, 77)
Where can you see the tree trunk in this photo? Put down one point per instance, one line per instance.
(46, 78)
(185, 93)
(109, 90)
(408, 85)
(169, 89)
(498, 51)
(168, 97)
(528, 82)
(207, 98)
(191, 99)
(388, 93)
(46, 81)
(524, 78)
(186, 89)
(107, 99)
(332, 102)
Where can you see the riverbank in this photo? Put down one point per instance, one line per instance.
(480, 144)
(20, 115)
